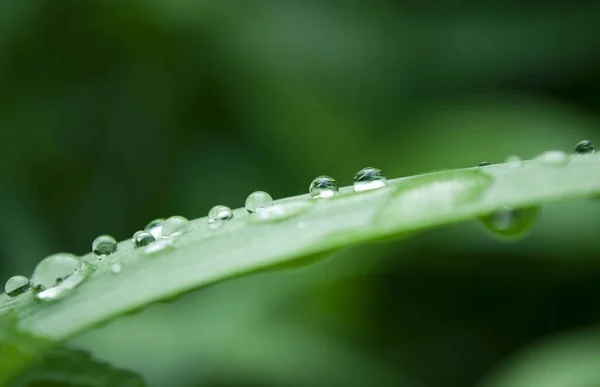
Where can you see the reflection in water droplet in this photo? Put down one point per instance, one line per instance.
(323, 187)
(141, 239)
(158, 246)
(585, 147)
(154, 227)
(484, 164)
(511, 222)
(220, 214)
(258, 201)
(17, 284)
(56, 275)
(514, 161)
(369, 178)
(554, 158)
(104, 245)
(175, 226)
(116, 267)
(300, 225)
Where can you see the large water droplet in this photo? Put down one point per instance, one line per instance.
(369, 178)
(554, 158)
(55, 275)
(142, 238)
(175, 226)
(154, 227)
(104, 245)
(323, 187)
(219, 214)
(17, 284)
(258, 201)
(585, 147)
(484, 164)
(511, 222)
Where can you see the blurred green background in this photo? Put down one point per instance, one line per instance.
(116, 112)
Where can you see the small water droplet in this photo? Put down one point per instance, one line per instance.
(142, 238)
(175, 226)
(258, 201)
(323, 187)
(219, 214)
(300, 225)
(484, 164)
(158, 246)
(554, 158)
(116, 267)
(511, 222)
(369, 178)
(55, 275)
(154, 227)
(17, 284)
(585, 147)
(104, 245)
(514, 161)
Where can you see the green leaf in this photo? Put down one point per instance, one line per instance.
(67, 367)
(298, 228)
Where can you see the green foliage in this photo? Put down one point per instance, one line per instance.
(294, 229)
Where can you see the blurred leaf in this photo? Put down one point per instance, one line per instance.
(65, 367)
(571, 360)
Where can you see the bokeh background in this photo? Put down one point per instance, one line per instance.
(116, 112)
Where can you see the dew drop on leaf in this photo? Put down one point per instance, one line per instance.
(258, 201)
(219, 214)
(154, 227)
(369, 178)
(323, 187)
(585, 147)
(553, 158)
(116, 267)
(175, 226)
(484, 164)
(104, 245)
(514, 161)
(142, 238)
(55, 275)
(511, 222)
(17, 284)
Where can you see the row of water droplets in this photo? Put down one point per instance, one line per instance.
(515, 222)
(55, 275)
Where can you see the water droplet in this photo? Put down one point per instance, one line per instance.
(258, 201)
(514, 161)
(484, 164)
(554, 158)
(154, 227)
(511, 222)
(175, 226)
(300, 225)
(585, 147)
(323, 187)
(17, 284)
(219, 214)
(158, 246)
(142, 238)
(55, 275)
(104, 245)
(369, 178)
(116, 267)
